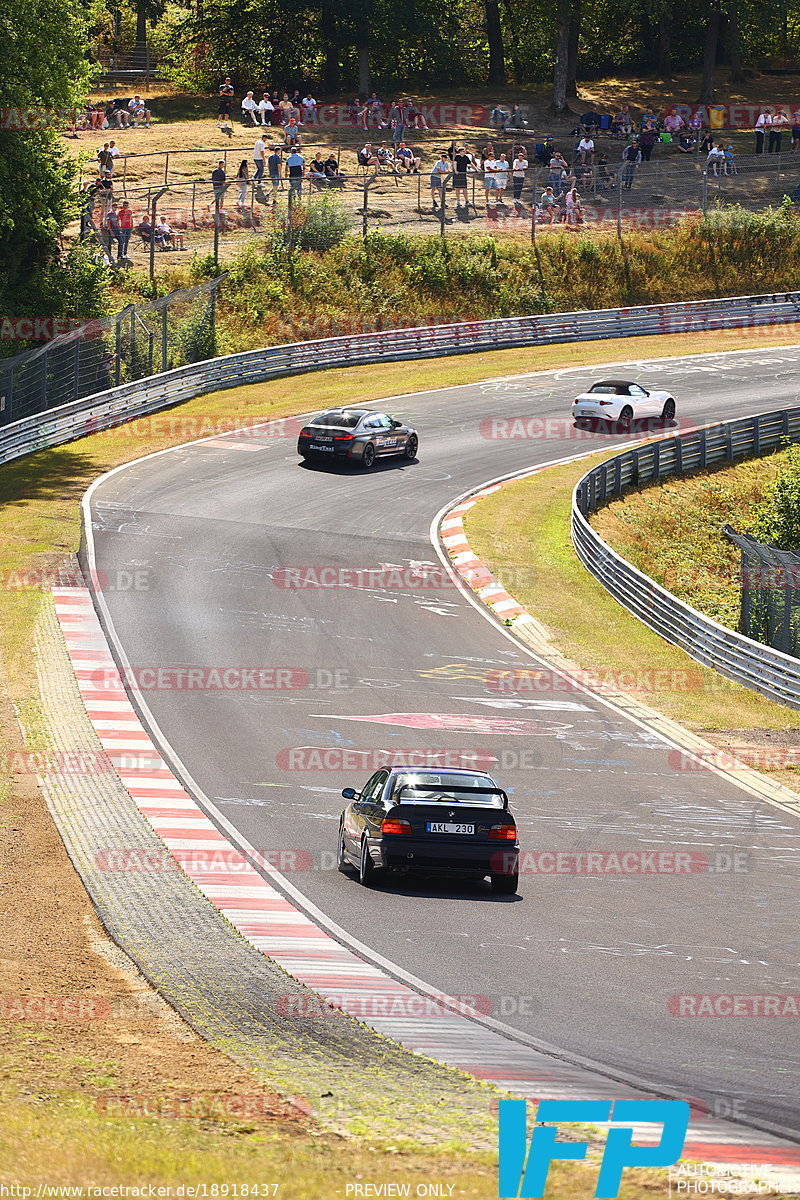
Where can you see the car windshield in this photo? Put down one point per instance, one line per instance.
(338, 420)
(427, 787)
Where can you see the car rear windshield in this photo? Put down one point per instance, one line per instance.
(433, 787)
(338, 420)
(604, 389)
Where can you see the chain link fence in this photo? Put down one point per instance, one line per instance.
(770, 606)
(134, 343)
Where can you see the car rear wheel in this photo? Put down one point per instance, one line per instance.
(342, 862)
(368, 456)
(505, 885)
(668, 411)
(367, 872)
(412, 445)
(625, 417)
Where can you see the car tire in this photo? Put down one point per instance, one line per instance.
(412, 445)
(368, 456)
(343, 864)
(625, 418)
(367, 871)
(668, 411)
(505, 885)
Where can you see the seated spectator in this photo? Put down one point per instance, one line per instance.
(715, 159)
(407, 160)
(249, 109)
(649, 120)
(687, 141)
(384, 155)
(673, 122)
(605, 176)
(139, 112)
(590, 123)
(730, 167)
(332, 173)
(265, 109)
(169, 235)
(544, 151)
(499, 117)
(316, 171)
(286, 108)
(375, 111)
(622, 123)
(353, 110)
(516, 119)
(309, 107)
(291, 133)
(706, 142)
(367, 156)
(415, 119)
(586, 150)
(548, 205)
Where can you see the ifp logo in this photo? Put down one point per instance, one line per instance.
(523, 1170)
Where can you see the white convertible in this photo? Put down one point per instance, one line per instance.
(621, 401)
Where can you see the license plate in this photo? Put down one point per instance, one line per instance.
(319, 440)
(447, 827)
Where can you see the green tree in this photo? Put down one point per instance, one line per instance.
(777, 519)
(44, 74)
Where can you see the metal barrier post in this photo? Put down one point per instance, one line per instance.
(164, 326)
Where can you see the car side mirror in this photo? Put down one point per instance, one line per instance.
(396, 424)
(349, 793)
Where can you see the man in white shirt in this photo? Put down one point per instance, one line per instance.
(519, 167)
(139, 112)
(715, 159)
(258, 158)
(265, 107)
(500, 176)
(309, 107)
(780, 121)
(763, 123)
(586, 150)
(249, 108)
(490, 166)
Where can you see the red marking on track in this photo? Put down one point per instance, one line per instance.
(458, 723)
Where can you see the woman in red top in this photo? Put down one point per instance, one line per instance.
(125, 227)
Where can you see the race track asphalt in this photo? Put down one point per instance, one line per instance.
(586, 964)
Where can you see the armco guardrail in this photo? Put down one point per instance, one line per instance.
(750, 663)
(105, 409)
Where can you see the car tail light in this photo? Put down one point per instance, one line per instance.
(391, 825)
(603, 402)
(504, 833)
(343, 437)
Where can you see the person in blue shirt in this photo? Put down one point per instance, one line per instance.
(295, 170)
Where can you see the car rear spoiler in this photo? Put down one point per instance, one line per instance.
(484, 791)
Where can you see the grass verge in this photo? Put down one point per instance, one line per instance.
(50, 1130)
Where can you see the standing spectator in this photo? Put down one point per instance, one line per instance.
(557, 169)
(265, 109)
(249, 109)
(125, 228)
(489, 172)
(218, 180)
(295, 170)
(439, 172)
(631, 157)
(586, 149)
(763, 123)
(397, 123)
(795, 130)
(518, 169)
(259, 151)
(105, 159)
(501, 177)
(274, 164)
(647, 139)
(779, 123)
(243, 180)
(463, 164)
(224, 106)
(113, 150)
(111, 229)
(309, 108)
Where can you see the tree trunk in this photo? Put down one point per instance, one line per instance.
(513, 41)
(572, 49)
(330, 38)
(710, 55)
(734, 52)
(494, 36)
(141, 55)
(561, 71)
(364, 77)
(665, 44)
